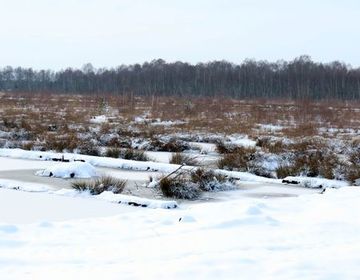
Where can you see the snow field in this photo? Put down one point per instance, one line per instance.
(308, 237)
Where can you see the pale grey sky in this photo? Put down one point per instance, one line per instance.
(56, 34)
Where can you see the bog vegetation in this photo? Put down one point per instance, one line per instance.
(288, 137)
(99, 185)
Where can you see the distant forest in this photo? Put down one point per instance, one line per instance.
(298, 79)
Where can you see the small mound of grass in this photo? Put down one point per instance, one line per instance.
(99, 185)
(208, 180)
(284, 171)
(173, 145)
(179, 187)
(81, 185)
(134, 155)
(223, 148)
(113, 152)
(182, 159)
(189, 185)
(237, 160)
(89, 149)
(130, 154)
(275, 147)
(352, 173)
(310, 164)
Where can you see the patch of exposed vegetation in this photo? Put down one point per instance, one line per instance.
(237, 158)
(310, 138)
(190, 184)
(179, 187)
(99, 185)
(183, 159)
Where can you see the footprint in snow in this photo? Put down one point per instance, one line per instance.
(187, 219)
(254, 210)
(8, 228)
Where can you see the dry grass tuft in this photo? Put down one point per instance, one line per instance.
(311, 164)
(113, 152)
(178, 187)
(97, 186)
(238, 159)
(183, 159)
(207, 180)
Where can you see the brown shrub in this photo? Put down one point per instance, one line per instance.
(90, 149)
(113, 152)
(238, 160)
(266, 144)
(206, 178)
(283, 171)
(178, 187)
(173, 145)
(183, 159)
(132, 154)
(60, 143)
(28, 146)
(311, 164)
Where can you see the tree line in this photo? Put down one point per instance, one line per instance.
(300, 78)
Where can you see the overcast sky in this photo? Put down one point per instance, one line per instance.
(60, 33)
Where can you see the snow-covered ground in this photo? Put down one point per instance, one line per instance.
(263, 230)
(307, 237)
(150, 168)
(69, 170)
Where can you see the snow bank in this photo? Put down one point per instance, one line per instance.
(120, 199)
(104, 196)
(246, 176)
(28, 187)
(315, 182)
(136, 201)
(69, 170)
(93, 160)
